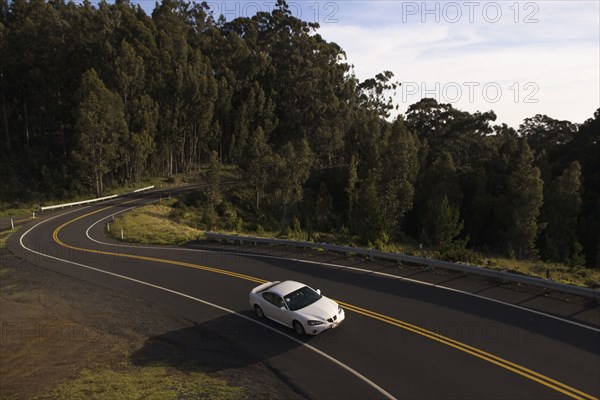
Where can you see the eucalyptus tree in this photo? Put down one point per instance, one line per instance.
(398, 172)
(259, 165)
(100, 123)
(560, 214)
(585, 148)
(292, 170)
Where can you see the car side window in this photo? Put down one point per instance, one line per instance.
(274, 299)
(270, 297)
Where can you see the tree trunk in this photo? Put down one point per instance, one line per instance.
(4, 116)
(96, 181)
(26, 119)
(128, 167)
(136, 169)
(285, 207)
(137, 177)
(257, 198)
(170, 167)
(221, 147)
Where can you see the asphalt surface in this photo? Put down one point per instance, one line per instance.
(400, 339)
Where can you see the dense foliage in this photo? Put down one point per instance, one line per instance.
(92, 96)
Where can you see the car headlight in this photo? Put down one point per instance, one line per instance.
(339, 309)
(313, 323)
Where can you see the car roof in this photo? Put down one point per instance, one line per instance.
(285, 287)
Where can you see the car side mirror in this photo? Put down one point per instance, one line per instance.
(318, 291)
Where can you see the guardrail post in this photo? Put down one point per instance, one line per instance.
(12, 224)
(121, 234)
(108, 226)
(33, 216)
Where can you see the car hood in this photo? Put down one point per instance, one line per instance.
(323, 308)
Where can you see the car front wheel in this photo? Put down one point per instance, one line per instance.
(259, 311)
(299, 328)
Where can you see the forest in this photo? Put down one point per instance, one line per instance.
(93, 96)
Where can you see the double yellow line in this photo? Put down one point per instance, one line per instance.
(508, 365)
(517, 369)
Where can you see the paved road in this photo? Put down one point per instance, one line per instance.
(400, 339)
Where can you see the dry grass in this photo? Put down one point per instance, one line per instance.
(151, 225)
(145, 383)
(579, 276)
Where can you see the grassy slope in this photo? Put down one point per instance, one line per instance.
(144, 384)
(151, 225)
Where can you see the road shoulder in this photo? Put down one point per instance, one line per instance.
(64, 337)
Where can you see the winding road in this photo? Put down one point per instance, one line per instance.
(400, 340)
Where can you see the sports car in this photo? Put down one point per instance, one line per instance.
(297, 306)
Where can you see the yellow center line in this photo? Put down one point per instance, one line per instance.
(508, 365)
(518, 369)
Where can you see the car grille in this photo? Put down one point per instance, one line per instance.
(332, 319)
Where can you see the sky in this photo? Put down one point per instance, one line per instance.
(518, 58)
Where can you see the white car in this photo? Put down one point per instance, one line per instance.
(297, 306)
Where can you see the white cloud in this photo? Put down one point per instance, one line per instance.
(558, 56)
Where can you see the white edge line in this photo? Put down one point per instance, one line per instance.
(335, 266)
(301, 343)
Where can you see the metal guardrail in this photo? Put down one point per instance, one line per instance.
(77, 203)
(142, 189)
(80, 203)
(502, 275)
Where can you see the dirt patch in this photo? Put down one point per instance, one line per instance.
(62, 337)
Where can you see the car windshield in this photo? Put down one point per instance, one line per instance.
(301, 298)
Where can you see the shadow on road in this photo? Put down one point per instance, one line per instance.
(227, 342)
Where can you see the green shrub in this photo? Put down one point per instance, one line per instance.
(457, 252)
(209, 218)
